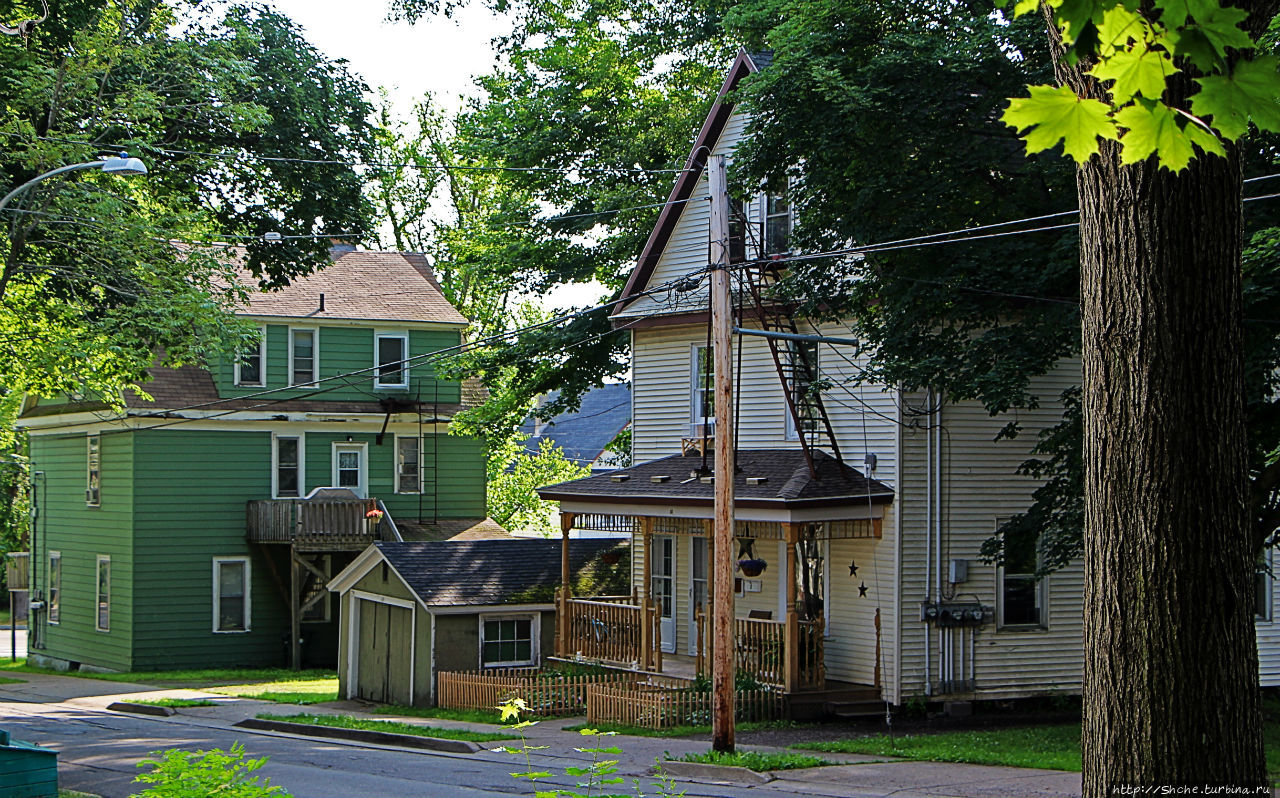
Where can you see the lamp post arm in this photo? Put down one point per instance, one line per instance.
(75, 167)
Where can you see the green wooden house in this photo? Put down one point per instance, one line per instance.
(197, 528)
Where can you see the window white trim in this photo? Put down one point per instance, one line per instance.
(315, 356)
(275, 464)
(217, 597)
(53, 616)
(535, 636)
(262, 362)
(1042, 598)
(403, 336)
(361, 490)
(696, 388)
(1266, 590)
(98, 596)
(93, 469)
(396, 463)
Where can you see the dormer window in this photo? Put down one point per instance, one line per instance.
(250, 363)
(391, 350)
(303, 358)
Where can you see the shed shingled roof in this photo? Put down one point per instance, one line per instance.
(486, 572)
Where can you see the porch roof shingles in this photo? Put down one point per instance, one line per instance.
(786, 482)
(487, 572)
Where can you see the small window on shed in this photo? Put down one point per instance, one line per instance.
(506, 641)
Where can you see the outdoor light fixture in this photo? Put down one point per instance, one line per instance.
(119, 165)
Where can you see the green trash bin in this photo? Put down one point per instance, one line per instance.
(26, 769)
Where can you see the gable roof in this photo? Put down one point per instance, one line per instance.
(745, 64)
(584, 433)
(780, 478)
(365, 286)
(484, 572)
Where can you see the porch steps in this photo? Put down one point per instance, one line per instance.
(841, 700)
(852, 710)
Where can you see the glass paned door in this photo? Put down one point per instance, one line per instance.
(697, 591)
(663, 563)
(349, 467)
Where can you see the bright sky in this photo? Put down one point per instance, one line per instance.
(437, 54)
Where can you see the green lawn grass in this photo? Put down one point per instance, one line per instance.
(683, 731)
(6, 680)
(1054, 747)
(761, 762)
(348, 722)
(468, 715)
(265, 684)
(176, 703)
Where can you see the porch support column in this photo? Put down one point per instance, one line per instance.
(295, 611)
(791, 631)
(647, 618)
(563, 619)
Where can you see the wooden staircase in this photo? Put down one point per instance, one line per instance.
(842, 700)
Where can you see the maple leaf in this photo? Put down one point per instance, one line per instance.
(1119, 25)
(1250, 93)
(1154, 128)
(1052, 114)
(1174, 13)
(1136, 71)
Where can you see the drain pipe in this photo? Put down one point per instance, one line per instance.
(928, 557)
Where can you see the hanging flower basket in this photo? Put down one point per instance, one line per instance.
(374, 515)
(752, 567)
(611, 557)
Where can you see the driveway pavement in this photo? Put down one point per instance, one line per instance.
(99, 751)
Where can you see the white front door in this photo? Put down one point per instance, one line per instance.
(697, 590)
(350, 467)
(662, 561)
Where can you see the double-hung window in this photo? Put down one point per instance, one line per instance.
(251, 364)
(702, 407)
(1262, 587)
(408, 464)
(391, 350)
(102, 599)
(287, 468)
(802, 378)
(777, 225)
(93, 474)
(1021, 593)
(304, 356)
(507, 641)
(230, 594)
(55, 587)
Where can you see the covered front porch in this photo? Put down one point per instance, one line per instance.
(785, 515)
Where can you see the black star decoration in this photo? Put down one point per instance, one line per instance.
(862, 590)
(853, 568)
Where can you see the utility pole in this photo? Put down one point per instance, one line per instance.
(722, 634)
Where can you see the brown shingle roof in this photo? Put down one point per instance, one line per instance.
(377, 286)
(452, 529)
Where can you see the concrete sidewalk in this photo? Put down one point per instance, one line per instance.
(854, 777)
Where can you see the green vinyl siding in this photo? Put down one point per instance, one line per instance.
(82, 533)
(342, 350)
(191, 490)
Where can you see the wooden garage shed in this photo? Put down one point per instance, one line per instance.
(411, 610)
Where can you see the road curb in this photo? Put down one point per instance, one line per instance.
(141, 709)
(727, 774)
(362, 736)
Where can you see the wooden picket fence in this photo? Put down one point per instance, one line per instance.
(659, 708)
(545, 693)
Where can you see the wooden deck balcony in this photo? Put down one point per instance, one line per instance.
(317, 525)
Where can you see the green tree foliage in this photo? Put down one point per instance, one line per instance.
(589, 100)
(209, 95)
(197, 774)
(514, 477)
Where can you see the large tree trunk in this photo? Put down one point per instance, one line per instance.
(1171, 667)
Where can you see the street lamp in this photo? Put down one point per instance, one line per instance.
(120, 165)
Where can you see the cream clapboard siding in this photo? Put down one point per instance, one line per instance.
(1269, 637)
(979, 485)
(851, 627)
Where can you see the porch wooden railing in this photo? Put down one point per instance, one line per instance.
(657, 708)
(546, 693)
(609, 630)
(314, 525)
(761, 649)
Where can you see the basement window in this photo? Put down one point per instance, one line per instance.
(506, 642)
(230, 594)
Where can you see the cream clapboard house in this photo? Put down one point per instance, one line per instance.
(879, 552)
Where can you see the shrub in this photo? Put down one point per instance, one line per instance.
(177, 773)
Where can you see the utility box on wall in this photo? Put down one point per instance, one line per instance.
(959, 571)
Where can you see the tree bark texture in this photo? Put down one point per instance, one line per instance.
(1171, 667)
